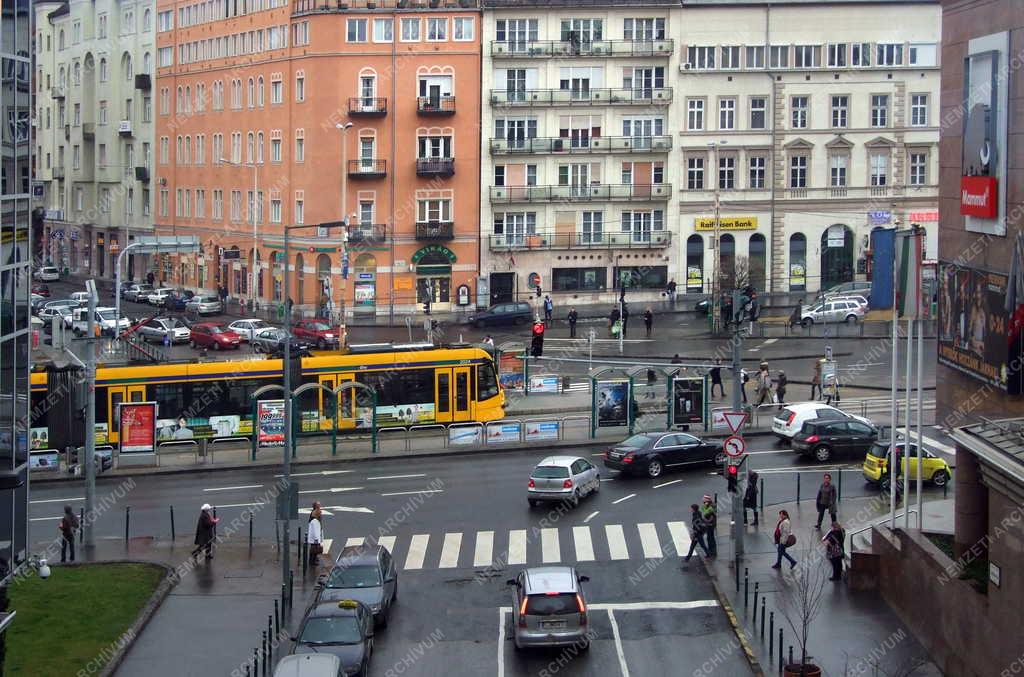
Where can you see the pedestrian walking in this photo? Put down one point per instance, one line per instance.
(816, 380)
(613, 322)
(710, 517)
(572, 317)
(670, 291)
(716, 378)
(205, 528)
(676, 359)
(835, 549)
(625, 319)
(750, 497)
(784, 539)
(780, 388)
(68, 525)
(696, 532)
(315, 535)
(549, 308)
(648, 320)
(488, 341)
(796, 317)
(826, 500)
(150, 277)
(764, 385)
(744, 379)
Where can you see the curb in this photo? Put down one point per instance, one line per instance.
(737, 628)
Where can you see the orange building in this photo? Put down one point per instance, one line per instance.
(305, 107)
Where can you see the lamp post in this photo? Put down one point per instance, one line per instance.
(716, 282)
(344, 127)
(252, 213)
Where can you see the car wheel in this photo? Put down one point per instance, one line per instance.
(851, 319)
(532, 502)
(885, 483)
(597, 485)
(806, 322)
(720, 458)
(585, 646)
(940, 478)
(654, 468)
(192, 345)
(257, 348)
(822, 453)
(320, 345)
(575, 500)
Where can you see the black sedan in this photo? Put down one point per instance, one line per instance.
(651, 454)
(824, 439)
(344, 629)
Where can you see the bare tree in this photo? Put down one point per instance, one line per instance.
(741, 271)
(800, 601)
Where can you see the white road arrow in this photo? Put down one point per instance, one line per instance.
(333, 490)
(341, 508)
(319, 472)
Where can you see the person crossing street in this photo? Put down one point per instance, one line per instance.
(696, 532)
(205, 531)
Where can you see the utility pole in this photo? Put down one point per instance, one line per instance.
(288, 421)
(737, 405)
(90, 415)
(716, 282)
(622, 315)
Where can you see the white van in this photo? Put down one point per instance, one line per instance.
(309, 665)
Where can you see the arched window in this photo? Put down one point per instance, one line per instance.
(252, 93)
(188, 150)
(126, 67)
(259, 147)
(180, 150)
(757, 261)
(797, 262)
(299, 280)
(323, 276)
(60, 40)
(250, 147)
(277, 273)
(260, 90)
(694, 263)
(77, 77)
(836, 255)
(179, 104)
(104, 74)
(147, 61)
(62, 77)
(188, 99)
(259, 275)
(147, 21)
(728, 257)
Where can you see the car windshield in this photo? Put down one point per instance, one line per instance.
(552, 605)
(353, 577)
(636, 441)
(807, 428)
(331, 630)
(784, 414)
(216, 330)
(106, 314)
(879, 450)
(317, 326)
(550, 471)
(175, 324)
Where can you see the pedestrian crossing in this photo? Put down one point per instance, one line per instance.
(535, 546)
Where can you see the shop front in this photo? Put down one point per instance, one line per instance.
(365, 284)
(434, 276)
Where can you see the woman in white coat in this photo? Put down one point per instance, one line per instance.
(315, 536)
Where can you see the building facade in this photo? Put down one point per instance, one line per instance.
(280, 115)
(94, 132)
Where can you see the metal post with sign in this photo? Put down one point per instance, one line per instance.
(735, 448)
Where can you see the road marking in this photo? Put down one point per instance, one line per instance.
(327, 544)
(771, 451)
(342, 508)
(550, 550)
(333, 490)
(484, 554)
(647, 606)
(395, 477)
(355, 541)
(624, 498)
(607, 479)
(501, 640)
(417, 551)
(250, 505)
(649, 540)
(591, 516)
(450, 550)
(930, 442)
(388, 542)
(584, 545)
(45, 519)
(768, 342)
(318, 472)
(421, 491)
(618, 644)
(802, 468)
(517, 546)
(616, 541)
(244, 486)
(600, 454)
(680, 537)
(59, 500)
(665, 484)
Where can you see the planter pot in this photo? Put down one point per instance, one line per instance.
(797, 670)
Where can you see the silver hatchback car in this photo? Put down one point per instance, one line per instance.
(562, 478)
(550, 609)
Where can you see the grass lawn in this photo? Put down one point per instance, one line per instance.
(77, 616)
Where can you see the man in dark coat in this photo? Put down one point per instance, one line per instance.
(205, 528)
(750, 497)
(573, 318)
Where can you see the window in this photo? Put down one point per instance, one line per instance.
(860, 54)
(300, 87)
(147, 19)
(300, 211)
(727, 172)
(730, 57)
(889, 54)
(428, 211)
(76, 118)
(755, 57)
(163, 201)
(383, 30)
(200, 203)
(797, 262)
(101, 26)
(437, 29)
(642, 277)
(301, 35)
(514, 227)
(837, 55)
(837, 170)
(921, 54)
(356, 30)
(79, 198)
(218, 205)
(103, 113)
(758, 112)
(695, 114)
(643, 29)
(164, 149)
(102, 154)
(840, 110)
(778, 56)
(806, 56)
(700, 58)
(879, 169)
(516, 131)
(919, 110)
(300, 149)
(798, 171)
(757, 166)
(592, 228)
(410, 30)
(165, 20)
(727, 113)
(275, 211)
(695, 172)
(463, 28)
(275, 150)
(276, 91)
(640, 224)
(165, 56)
(879, 110)
(579, 279)
(918, 169)
(798, 108)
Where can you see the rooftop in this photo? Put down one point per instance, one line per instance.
(323, 6)
(1000, 442)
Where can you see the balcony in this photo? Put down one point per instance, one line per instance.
(88, 130)
(594, 144)
(367, 169)
(577, 48)
(144, 82)
(56, 92)
(58, 172)
(435, 105)
(435, 166)
(645, 239)
(124, 128)
(142, 174)
(435, 230)
(366, 233)
(368, 106)
(605, 96)
(645, 192)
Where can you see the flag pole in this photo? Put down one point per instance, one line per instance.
(920, 368)
(893, 410)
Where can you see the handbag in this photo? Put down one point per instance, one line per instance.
(316, 549)
(790, 540)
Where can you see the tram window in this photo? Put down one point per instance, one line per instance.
(40, 410)
(101, 405)
(461, 391)
(138, 395)
(487, 382)
(442, 392)
(115, 399)
(169, 399)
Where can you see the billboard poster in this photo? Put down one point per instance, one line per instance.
(687, 400)
(465, 435)
(44, 460)
(541, 430)
(270, 429)
(195, 427)
(511, 370)
(401, 415)
(502, 432)
(39, 438)
(544, 383)
(138, 427)
(613, 398)
(973, 322)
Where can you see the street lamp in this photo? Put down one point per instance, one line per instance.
(252, 212)
(716, 301)
(344, 127)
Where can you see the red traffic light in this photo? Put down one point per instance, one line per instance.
(734, 470)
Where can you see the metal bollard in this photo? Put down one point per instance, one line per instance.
(127, 521)
(839, 486)
(172, 525)
(81, 523)
(716, 500)
(277, 618)
(246, 670)
(798, 487)
(780, 648)
(736, 568)
(757, 586)
(291, 587)
(266, 657)
(256, 662)
(250, 527)
(760, 494)
(270, 633)
(790, 654)
(771, 634)
(746, 586)
(762, 618)
(298, 547)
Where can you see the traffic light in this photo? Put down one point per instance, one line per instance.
(538, 291)
(426, 307)
(537, 345)
(732, 476)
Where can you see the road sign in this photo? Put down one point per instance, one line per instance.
(735, 446)
(734, 419)
(828, 353)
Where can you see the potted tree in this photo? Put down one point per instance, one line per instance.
(800, 603)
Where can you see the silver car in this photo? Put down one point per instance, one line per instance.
(267, 340)
(838, 310)
(204, 304)
(562, 478)
(158, 296)
(248, 329)
(138, 292)
(157, 328)
(550, 609)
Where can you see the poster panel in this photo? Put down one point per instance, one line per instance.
(613, 398)
(270, 429)
(138, 427)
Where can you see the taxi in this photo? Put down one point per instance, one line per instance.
(343, 629)
(876, 464)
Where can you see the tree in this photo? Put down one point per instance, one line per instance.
(801, 602)
(741, 271)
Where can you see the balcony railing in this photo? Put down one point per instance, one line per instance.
(368, 106)
(642, 192)
(435, 166)
(593, 144)
(365, 233)
(367, 169)
(88, 130)
(314, 6)
(435, 105)
(143, 81)
(575, 48)
(57, 92)
(604, 96)
(435, 230)
(641, 239)
(124, 127)
(58, 172)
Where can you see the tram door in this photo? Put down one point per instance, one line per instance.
(346, 412)
(115, 396)
(452, 395)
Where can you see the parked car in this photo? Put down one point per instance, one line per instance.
(36, 302)
(48, 312)
(47, 274)
(549, 608)
(309, 665)
(105, 319)
(653, 453)
(212, 335)
(158, 296)
(81, 297)
(41, 288)
(156, 328)
(178, 300)
(830, 310)
(271, 341)
(138, 292)
(876, 464)
(562, 478)
(61, 303)
(364, 573)
(861, 288)
(790, 420)
(826, 438)
(248, 329)
(518, 312)
(204, 304)
(860, 299)
(343, 629)
(316, 332)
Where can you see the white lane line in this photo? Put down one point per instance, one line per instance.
(607, 479)
(624, 498)
(517, 546)
(396, 477)
(550, 550)
(484, 553)
(618, 644)
(59, 500)
(421, 491)
(417, 551)
(252, 505)
(354, 541)
(616, 541)
(584, 545)
(244, 486)
(768, 342)
(332, 490)
(646, 606)
(665, 484)
(649, 540)
(930, 442)
(318, 472)
(45, 519)
(501, 640)
(591, 516)
(450, 550)
(388, 542)
(600, 454)
(772, 451)
(680, 537)
(801, 468)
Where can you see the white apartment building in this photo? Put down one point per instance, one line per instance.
(94, 131)
(817, 123)
(578, 184)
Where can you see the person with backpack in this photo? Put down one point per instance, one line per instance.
(835, 549)
(784, 539)
(710, 517)
(750, 497)
(68, 525)
(549, 308)
(696, 532)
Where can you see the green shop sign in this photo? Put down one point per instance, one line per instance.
(432, 252)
